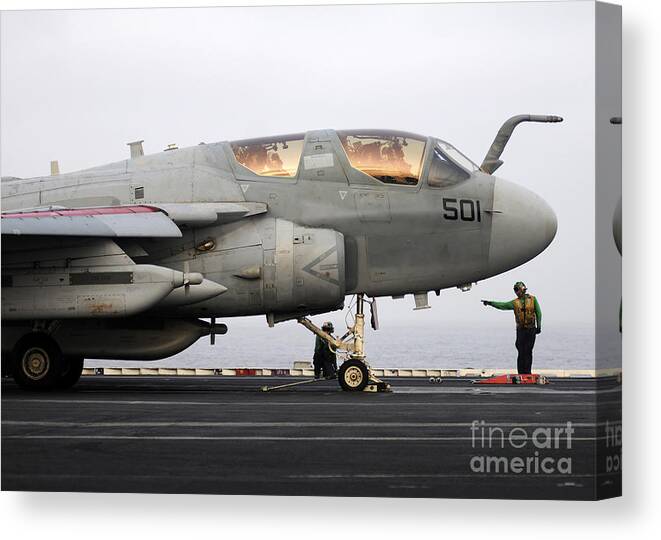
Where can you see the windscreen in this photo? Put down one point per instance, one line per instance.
(455, 155)
(389, 156)
(448, 166)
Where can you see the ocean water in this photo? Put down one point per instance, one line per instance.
(248, 344)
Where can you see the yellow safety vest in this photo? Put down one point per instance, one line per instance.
(525, 315)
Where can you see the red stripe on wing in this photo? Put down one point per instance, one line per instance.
(137, 209)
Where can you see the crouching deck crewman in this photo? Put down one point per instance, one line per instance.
(528, 316)
(324, 360)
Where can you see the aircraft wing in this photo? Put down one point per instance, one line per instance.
(131, 221)
(77, 263)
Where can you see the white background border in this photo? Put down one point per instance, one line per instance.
(638, 513)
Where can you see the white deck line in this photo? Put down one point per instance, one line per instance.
(378, 372)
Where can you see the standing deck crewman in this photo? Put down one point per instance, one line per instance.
(528, 316)
(324, 360)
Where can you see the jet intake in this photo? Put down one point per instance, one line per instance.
(303, 271)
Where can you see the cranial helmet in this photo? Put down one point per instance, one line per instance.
(328, 326)
(520, 285)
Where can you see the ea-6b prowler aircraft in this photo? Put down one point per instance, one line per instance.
(124, 261)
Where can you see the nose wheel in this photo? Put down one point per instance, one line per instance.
(353, 375)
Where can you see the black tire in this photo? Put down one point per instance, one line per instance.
(37, 362)
(7, 365)
(353, 376)
(72, 368)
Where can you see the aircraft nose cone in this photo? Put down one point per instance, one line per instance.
(523, 225)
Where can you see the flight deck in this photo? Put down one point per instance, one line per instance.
(161, 434)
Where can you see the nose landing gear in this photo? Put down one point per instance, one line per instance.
(354, 373)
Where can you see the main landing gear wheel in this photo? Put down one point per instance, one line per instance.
(353, 375)
(37, 362)
(72, 369)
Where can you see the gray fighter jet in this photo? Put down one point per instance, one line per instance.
(127, 260)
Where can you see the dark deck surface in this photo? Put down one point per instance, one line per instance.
(223, 435)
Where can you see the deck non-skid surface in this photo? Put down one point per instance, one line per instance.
(223, 435)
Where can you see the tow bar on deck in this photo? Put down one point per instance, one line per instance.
(374, 385)
(297, 383)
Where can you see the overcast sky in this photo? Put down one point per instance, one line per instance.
(77, 85)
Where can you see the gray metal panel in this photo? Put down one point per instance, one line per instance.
(92, 292)
(66, 251)
(150, 225)
(373, 205)
(270, 280)
(319, 160)
(201, 214)
(284, 261)
(56, 226)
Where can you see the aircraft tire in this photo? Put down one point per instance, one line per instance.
(72, 368)
(37, 362)
(7, 364)
(353, 376)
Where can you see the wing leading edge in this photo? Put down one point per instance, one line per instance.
(109, 222)
(132, 221)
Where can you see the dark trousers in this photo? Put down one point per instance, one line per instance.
(325, 365)
(525, 341)
(318, 367)
(330, 367)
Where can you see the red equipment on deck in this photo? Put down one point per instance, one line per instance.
(532, 378)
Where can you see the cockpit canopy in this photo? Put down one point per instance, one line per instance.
(270, 156)
(391, 157)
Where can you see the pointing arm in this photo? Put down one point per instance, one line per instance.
(500, 305)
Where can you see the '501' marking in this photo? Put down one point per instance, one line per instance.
(463, 209)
